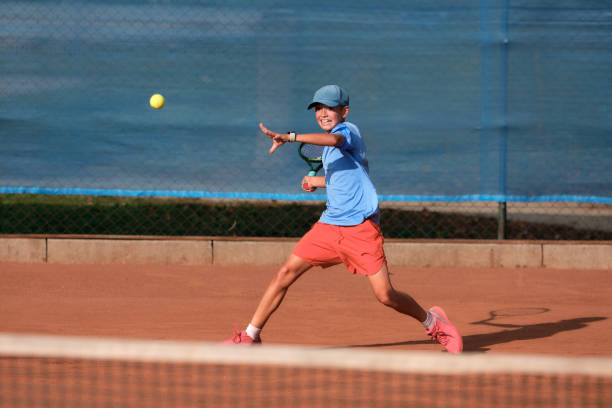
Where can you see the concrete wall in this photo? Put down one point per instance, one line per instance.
(223, 251)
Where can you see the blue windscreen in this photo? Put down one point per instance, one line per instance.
(472, 100)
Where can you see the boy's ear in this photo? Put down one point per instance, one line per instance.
(345, 111)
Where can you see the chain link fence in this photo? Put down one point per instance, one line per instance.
(483, 119)
(32, 214)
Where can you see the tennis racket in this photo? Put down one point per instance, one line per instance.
(313, 156)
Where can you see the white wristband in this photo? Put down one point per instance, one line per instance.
(292, 136)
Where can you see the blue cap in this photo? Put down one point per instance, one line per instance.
(330, 95)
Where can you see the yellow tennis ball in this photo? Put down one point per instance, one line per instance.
(157, 101)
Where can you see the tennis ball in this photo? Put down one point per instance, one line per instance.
(157, 101)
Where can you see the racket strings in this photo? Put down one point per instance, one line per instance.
(312, 152)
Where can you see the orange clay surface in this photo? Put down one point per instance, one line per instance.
(560, 312)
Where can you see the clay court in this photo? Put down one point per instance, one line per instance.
(554, 312)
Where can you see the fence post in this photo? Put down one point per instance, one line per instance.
(501, 220)
(501, 224)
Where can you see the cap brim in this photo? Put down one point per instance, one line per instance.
(331, 104)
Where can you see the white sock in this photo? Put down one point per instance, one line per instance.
(429, 321)
(253, 332)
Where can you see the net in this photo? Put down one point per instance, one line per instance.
(49, 371)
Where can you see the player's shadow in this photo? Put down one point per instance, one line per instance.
(480, 342)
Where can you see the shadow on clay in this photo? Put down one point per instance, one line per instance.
(510, 333)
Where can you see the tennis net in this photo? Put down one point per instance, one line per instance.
(54, 371)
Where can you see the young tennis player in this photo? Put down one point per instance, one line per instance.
(348, 231)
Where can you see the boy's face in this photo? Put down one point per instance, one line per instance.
(328, 117)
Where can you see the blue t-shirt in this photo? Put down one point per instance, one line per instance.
(351, 196)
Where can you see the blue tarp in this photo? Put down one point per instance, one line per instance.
(480, 100)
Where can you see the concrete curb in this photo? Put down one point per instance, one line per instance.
(270, 251)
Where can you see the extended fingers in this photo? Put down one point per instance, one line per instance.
(277, 138)
(267, 131)
(275, 145)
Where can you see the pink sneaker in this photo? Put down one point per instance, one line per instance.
(242, 338)
(444, 332)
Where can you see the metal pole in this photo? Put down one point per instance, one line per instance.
(501, 229)
(501, 220)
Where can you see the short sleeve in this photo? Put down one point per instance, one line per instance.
(344, 130)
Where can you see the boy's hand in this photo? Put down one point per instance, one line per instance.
(307, 184)
(311, 183)
(278, 139)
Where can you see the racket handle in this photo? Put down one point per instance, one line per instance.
(305, 186)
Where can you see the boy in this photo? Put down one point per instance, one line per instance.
(348, 231)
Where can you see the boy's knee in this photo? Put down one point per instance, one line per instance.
(386, 297)
(285, 276)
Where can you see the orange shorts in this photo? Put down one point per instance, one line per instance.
(359, 247)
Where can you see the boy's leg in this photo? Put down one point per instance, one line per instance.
(271, 300)
(277, 289)
(388, 296)
(435, 320)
